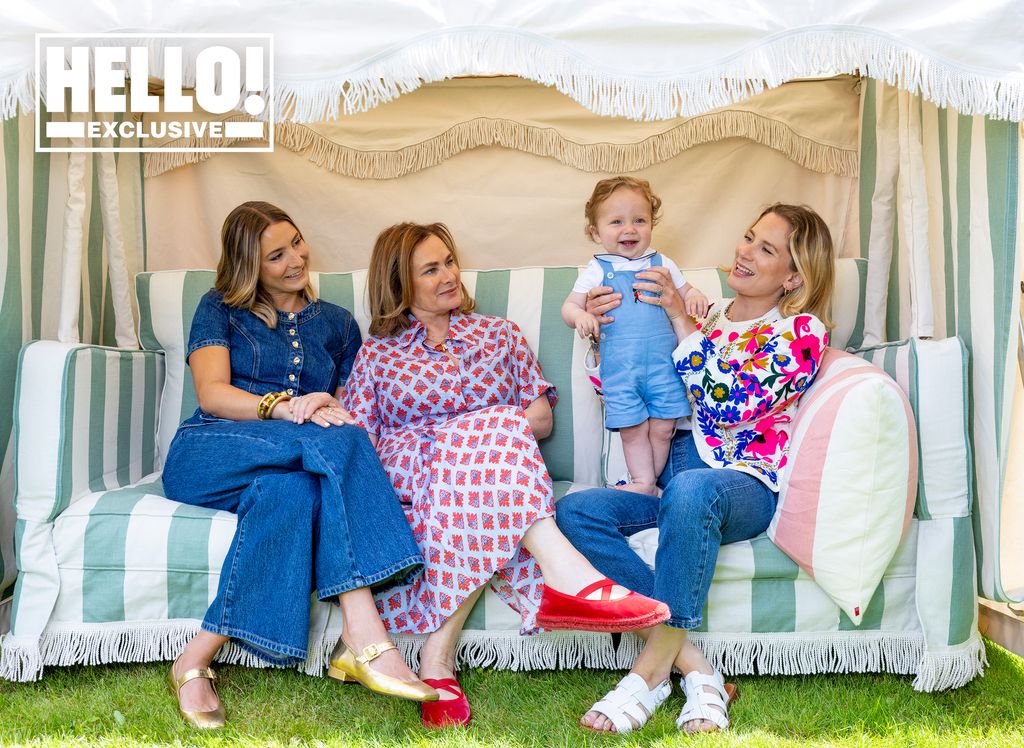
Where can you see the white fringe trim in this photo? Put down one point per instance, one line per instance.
(952, 667)
(838, 652)
(595, 157)
(17, 90)
(766, 654)
(805, 53)
(104, 643)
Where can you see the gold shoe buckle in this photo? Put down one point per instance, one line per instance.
(373, 651)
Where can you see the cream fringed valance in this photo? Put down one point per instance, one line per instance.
(646, 61)
(813, 123)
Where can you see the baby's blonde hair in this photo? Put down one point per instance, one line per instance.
(604, 189)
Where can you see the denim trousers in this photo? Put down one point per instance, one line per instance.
(700, 509)
(316, 513)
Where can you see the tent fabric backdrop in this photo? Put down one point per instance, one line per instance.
(512, 207)
(34, 245)
(941, 221)
(654, 60)
(814, 123)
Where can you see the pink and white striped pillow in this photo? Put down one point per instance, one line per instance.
(846, 493)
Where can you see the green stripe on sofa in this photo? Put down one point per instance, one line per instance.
(773, 597)
(104, 556)
(188, 562)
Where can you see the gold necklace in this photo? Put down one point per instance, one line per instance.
(440, 347)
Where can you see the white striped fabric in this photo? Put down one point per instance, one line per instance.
(944, 253)
(33, 194)
(933, 375)
(123, 574)
(79, 429)
(757, 588)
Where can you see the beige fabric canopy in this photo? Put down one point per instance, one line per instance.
(501, 182)
(813, 123)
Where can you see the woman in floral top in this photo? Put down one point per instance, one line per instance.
(744, 367)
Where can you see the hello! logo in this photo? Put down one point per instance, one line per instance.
(154, 92)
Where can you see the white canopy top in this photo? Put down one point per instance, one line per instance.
(653, 59)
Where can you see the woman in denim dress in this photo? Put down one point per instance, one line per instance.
(271, 443)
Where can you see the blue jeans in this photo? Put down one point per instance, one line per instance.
(700, 509)
(316, 512)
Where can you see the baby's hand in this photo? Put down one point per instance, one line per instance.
(696, 303)
(587, 325)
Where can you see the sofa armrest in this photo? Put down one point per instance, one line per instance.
(84, 421)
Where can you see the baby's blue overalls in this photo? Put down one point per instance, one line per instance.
(637, 373)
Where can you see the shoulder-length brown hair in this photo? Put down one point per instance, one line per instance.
(238, 272)
(389, 281)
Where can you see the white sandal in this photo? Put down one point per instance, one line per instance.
(701, 704)
(632, 699)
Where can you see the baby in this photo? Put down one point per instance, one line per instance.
(643, 395)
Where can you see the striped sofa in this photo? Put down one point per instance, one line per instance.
(111, 571)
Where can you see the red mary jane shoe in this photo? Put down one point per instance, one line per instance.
(446, 713)
(634, 611)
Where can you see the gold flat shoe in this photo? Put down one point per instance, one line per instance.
(346, 666)
(203, 720)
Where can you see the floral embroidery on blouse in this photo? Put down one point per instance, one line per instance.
(744, 386)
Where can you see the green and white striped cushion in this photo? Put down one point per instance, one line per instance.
(84, 422)
(758, 588)
(132, 555)
(933, 374)
(532, 297)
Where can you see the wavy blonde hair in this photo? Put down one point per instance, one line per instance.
(238, 272)
(813, 257)
(389, 281)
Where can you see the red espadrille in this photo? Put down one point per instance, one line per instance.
(446, 712)
(634, 611)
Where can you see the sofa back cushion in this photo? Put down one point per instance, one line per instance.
(933, 373)
(531, 297)
(846, 491)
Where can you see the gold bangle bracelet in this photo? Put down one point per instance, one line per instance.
(281, 397)
(266, 404)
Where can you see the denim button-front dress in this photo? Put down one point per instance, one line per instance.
(316, 511)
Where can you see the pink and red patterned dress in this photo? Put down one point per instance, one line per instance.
(454, 440)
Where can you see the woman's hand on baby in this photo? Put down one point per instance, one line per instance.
(587, 325)
(696, 303)
(657, 282)
(600, 301)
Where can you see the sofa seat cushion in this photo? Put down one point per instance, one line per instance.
(758, 588)
(132, 555)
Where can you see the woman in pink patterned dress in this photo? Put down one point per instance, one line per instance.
(454, 402)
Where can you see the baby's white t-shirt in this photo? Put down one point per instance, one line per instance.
(593, 275)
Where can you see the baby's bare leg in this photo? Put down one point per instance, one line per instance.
(636, 446)
(660, 432)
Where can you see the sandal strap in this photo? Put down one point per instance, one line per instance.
(605, 585)
(702, 704)
(632, 699)
(447, 684)
(373, 651)
(196, 672)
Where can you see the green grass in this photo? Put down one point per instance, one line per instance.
(130, 705)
